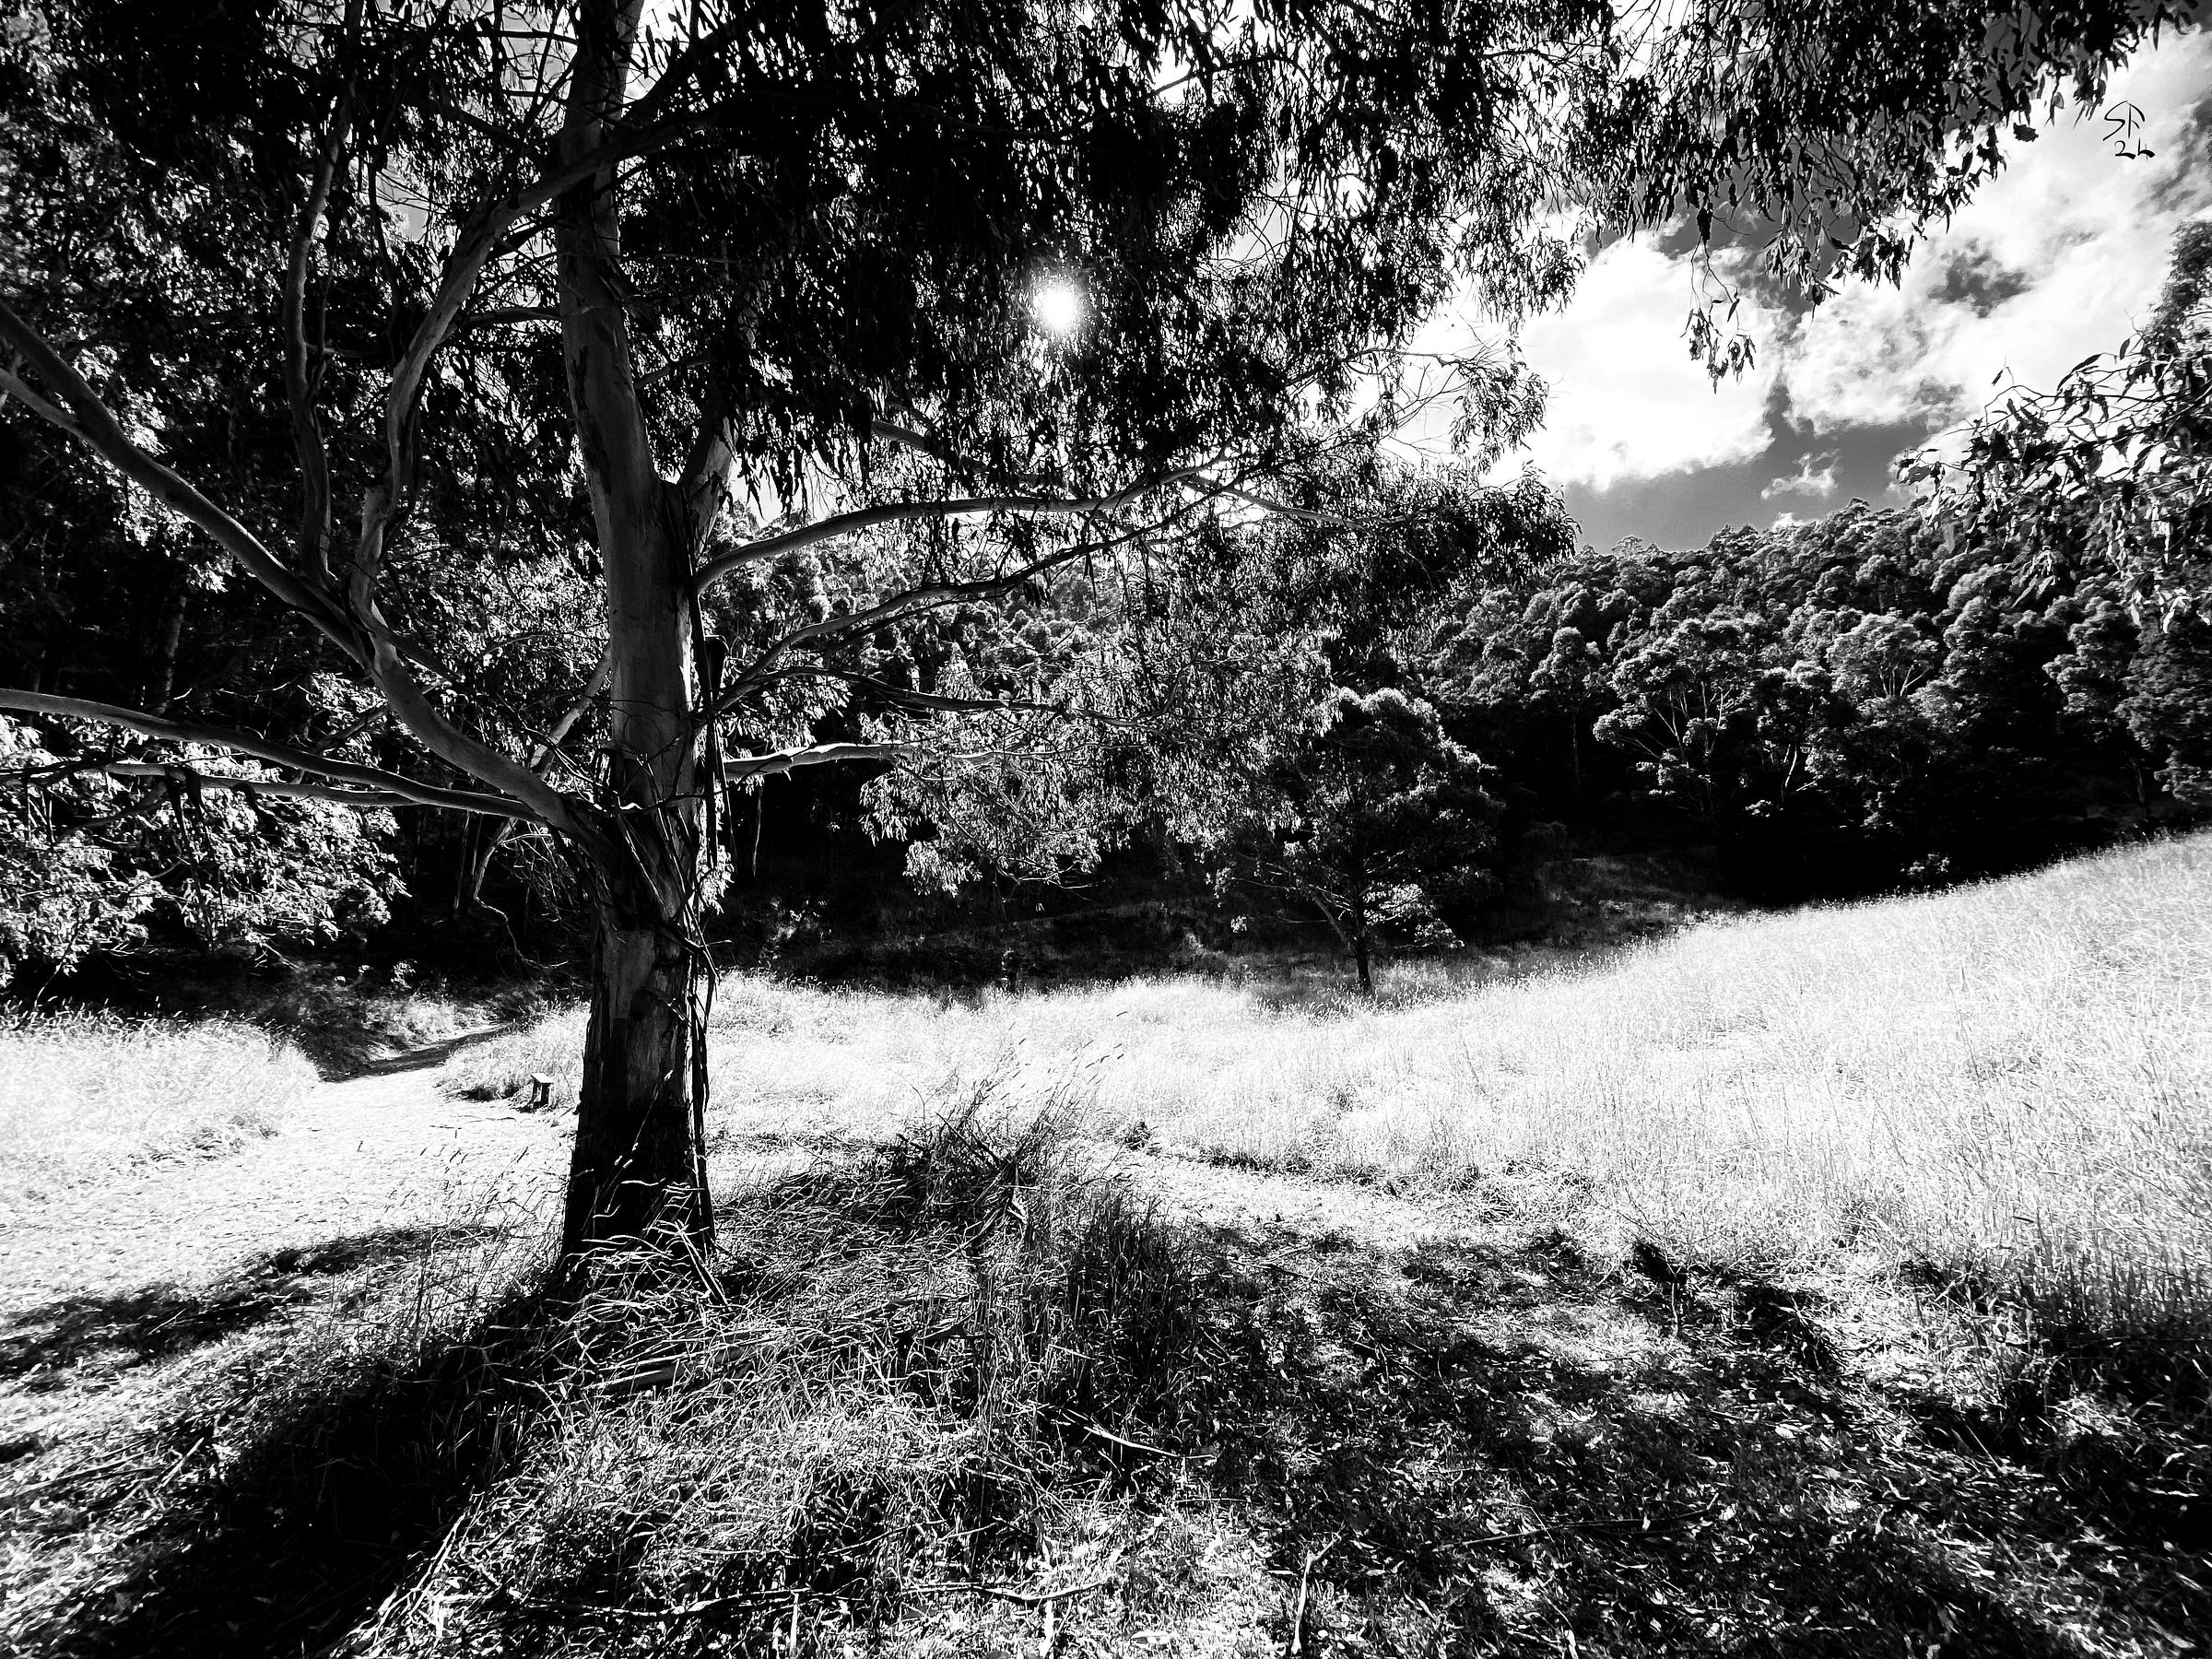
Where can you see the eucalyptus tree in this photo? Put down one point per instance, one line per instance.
(1375, 818)
(870, 310)
(2113, 467)
(2105, 481)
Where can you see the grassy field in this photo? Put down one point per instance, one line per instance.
(84, 1095)
(2010, 1084)
(1827, 1284)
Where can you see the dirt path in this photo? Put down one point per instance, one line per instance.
(356, 1158)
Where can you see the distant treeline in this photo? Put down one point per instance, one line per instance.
(1838, 707)
(1832, 709)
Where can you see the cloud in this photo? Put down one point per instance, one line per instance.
(1627, 401)
(1808, 480)
(2058, 258)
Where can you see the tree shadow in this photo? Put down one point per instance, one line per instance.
(1456, 1450)
(288, 1514)
(1465, 1450)
(39, 1346)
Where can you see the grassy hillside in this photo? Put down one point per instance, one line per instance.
(1828, 1284)
(2010, 1083)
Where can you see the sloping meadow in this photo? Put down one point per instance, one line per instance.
(1835, 1276)
(2005, 1084)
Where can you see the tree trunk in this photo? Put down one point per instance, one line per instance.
(1360, 954)
(639, 1169)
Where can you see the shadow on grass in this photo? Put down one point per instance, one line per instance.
(1456, 1450)
(40, 1346)
(290, 1512)
(428, 1055)
(1475, 1454)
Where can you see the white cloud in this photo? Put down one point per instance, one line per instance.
(2059, 256)
(1808, 480)
(1627, 401)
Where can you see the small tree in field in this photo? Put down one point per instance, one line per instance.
(1376, 819)
(606, 393)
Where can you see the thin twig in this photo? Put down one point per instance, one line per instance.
(1013, 1593)
(688, 1610)
(83, 1472)
(1298, 1612)
(1632, 1521)
(1108, 1434)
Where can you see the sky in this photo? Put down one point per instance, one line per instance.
(2061, 255)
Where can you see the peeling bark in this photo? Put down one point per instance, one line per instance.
(637, 1172)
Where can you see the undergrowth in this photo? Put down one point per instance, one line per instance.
(897, 1373)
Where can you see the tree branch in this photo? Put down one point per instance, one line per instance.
(935, 702)
(14, 387)
(473, 247)
(92, 424)
(262, 749)
(865, 518)
(557, 733)
(366, 800)
(913, 600)
(821, 754)
(704, 484)
(315, 525)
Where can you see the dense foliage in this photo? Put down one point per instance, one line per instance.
(2112, 468)
(1838, 706)
(1865, 702)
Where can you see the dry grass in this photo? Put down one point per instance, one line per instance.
(2007, 1082)
(891, 1382)
(964, 1392)
(952, 1386)
(83, 1096)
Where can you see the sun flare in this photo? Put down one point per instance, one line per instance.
(1058, 306)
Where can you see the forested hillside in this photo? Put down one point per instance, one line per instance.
(1838, 706)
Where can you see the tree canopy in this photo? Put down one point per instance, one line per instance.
(2112, 468)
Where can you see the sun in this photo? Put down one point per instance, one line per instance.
(1056, 303)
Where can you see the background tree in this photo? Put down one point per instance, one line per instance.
(1231, 721)
(1372, 815)
(491, 341)
(2112, 468)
